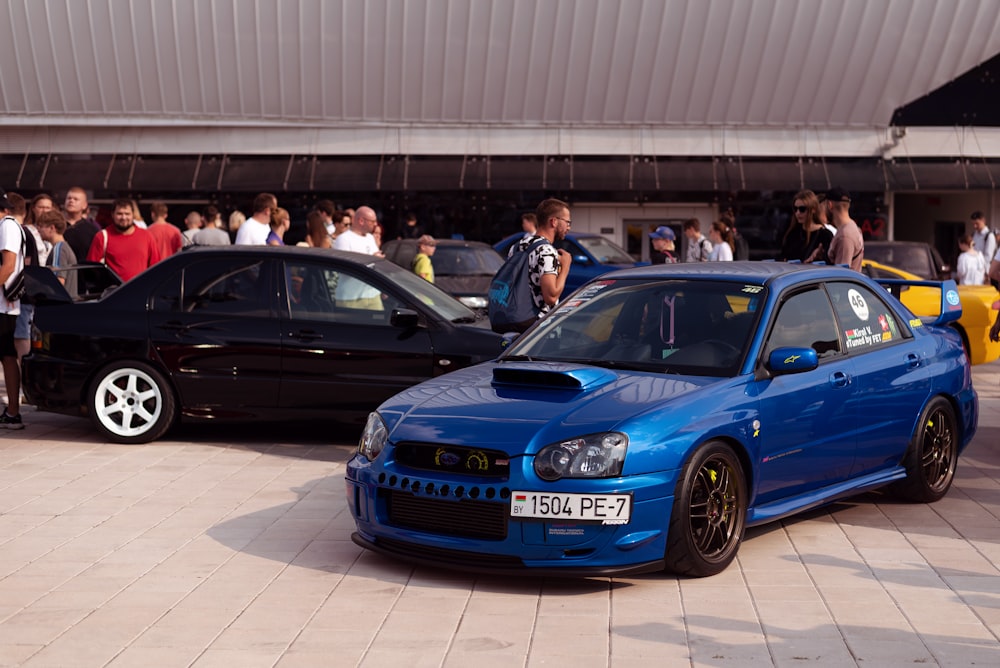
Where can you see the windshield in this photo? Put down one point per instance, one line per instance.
(605, 251)
(698, 327)
(465, 261)
(914, 259)
(441, 303)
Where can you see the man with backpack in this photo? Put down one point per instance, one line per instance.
(698, 247)
(531, 281)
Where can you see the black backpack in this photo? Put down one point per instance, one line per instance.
(511, 304)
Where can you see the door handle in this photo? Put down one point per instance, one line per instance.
(173, 326)
(839, 379)
(306, 335)
(912, 361)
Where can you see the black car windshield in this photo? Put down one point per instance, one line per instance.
(441, 303)
(466, 261)
(605, 251)
(699, 327)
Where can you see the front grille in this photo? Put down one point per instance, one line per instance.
(454, 459)
(465, 518)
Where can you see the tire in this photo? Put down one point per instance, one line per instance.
(709, 514)
(131, 402)
(933, 453)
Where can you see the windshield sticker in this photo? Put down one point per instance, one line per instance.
(579, 300)
(858, 304)
(753, 289)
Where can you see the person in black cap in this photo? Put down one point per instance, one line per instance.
(12, 242)
(663, 239)
(848, 245)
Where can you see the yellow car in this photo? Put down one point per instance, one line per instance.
(977, 309)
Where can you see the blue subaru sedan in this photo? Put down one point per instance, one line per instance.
(650, 419)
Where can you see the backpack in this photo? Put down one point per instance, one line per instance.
(703, 254)
(17, 287)
(742, 251)
(511, 304)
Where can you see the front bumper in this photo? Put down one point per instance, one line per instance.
(464, 522)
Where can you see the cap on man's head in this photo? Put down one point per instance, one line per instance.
(426, 240)
(663, 232)
(4, 202)
(837, 194)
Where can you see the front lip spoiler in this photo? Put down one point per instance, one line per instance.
(457, 564)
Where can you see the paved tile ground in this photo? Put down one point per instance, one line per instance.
(228, 546)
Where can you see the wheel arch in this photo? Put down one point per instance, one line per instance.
(957, 326)
(741, 452)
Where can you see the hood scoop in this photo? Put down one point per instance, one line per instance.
(553, 376)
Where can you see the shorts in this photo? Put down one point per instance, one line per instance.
(7, 324)
(23, 328)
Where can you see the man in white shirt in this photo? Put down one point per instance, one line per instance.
(12, 244)
(351, 292)
(254, 230)
(983, 239)
(359, 238)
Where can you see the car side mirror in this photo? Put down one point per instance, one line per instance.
(581, 259)
(792, 360)
(404, 318)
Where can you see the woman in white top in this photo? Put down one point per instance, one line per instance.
(971, 269)
(721, 236)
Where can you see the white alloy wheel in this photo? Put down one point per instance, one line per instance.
(132, 403)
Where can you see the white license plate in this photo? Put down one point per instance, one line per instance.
(603, 508)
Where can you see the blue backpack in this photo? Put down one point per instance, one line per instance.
(511, 305)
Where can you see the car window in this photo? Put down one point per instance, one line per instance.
(605, 251)
(914, 259)
(580, 256)
(805, 320)
(237, 287)
(866, 320)
(331, 294)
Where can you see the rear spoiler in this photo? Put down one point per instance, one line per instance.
(949, 308)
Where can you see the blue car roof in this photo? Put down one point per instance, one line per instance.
(757, 273)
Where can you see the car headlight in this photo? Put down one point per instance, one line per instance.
(474, 302)
(373, 438)
(592, 456)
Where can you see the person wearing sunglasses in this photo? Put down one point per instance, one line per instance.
(807, 238)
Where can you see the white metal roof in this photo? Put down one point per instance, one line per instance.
(500, 77)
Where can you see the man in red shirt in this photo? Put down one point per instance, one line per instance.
(125, 248)
(167, 236)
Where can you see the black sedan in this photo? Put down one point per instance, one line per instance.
(270, 333)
